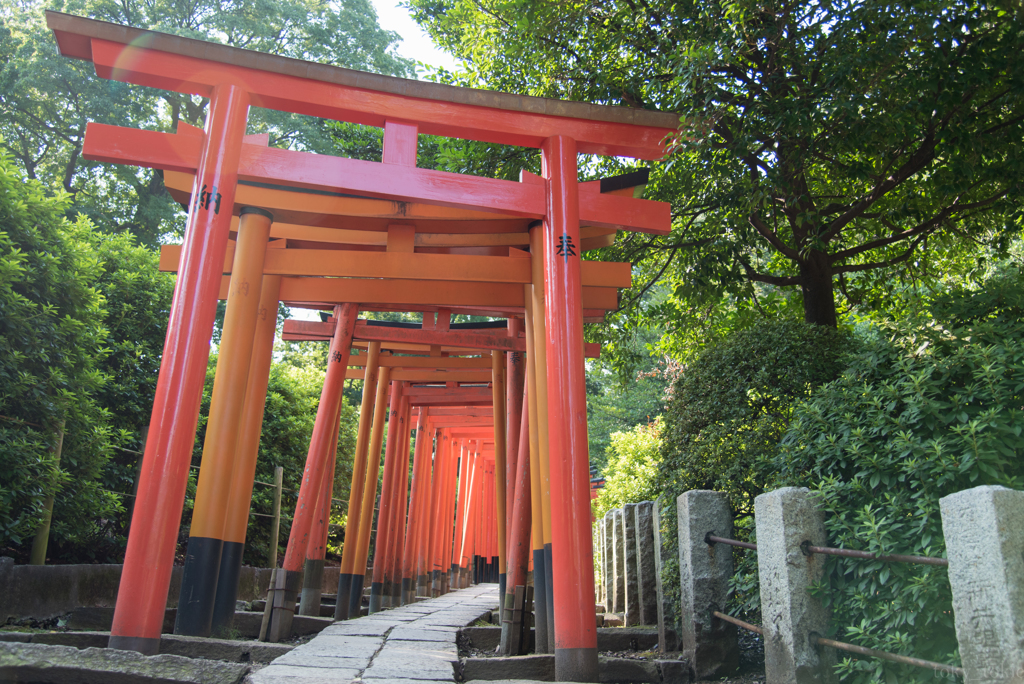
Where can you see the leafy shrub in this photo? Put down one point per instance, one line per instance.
(727, 412)
(632, 469)
(930, 407)
(51, 344)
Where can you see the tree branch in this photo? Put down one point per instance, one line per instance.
(768, 234)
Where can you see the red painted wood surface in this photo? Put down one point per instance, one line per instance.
(569, 467)
(194, 75)
(321, 172)
(149, 557)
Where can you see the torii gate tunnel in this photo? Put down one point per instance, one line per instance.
(346, 235)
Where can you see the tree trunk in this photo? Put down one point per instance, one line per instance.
(818, 290)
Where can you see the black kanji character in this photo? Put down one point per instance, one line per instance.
(565, 247)
(212, 196)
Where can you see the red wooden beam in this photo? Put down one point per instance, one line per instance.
(174, 63)
(180, 152)
(317, 330)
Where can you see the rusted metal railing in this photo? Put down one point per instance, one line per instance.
(858, 650)
(808, 549)
(712, 539)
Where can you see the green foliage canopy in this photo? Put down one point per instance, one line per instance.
(46, 100)
(827, 145)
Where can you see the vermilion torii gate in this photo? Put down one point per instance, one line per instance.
(235, 79)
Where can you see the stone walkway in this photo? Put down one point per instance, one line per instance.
(413, 644)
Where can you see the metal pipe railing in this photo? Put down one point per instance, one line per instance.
(808, 549)
(858, 650)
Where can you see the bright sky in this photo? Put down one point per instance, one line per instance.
(415, 42)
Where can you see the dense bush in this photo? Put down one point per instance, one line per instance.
(727, 412)
(930, 407)
(728, 409)
(631, 472)
(51, 346)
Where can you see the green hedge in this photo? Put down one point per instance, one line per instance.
(931, 407)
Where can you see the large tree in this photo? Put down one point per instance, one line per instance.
(46, 100)
(826, 144)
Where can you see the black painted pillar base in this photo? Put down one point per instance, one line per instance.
(355, 596)
(312, 587)
(550, 597)
(576, 665)
(198, 587)
(341, 606)
(502, 581)
(376, 597)
(407, 592)
(227, 588)
(396, 592)
(540, 605)
(137, 644)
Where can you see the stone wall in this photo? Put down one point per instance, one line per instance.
(42, 592)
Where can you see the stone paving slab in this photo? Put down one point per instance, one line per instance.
(424, 635)
(408, 645)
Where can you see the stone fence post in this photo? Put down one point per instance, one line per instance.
(668, 630)
(704, 572)
(984, 532)
(791, 618)
(631, 618)
(618, 594)
(647, 582)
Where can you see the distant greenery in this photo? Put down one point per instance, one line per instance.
(631, 472)
(728, 409)
(931, 406)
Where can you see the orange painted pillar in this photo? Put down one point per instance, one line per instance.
(355, 496)
(401, 511)
(515, 384)
(446, 549)
(572, 542)
(436, 527)
(199, 577)
(149, 558)
(430, 526)
(467, 560)
(236, 522)
(533, 387)
(369, 492)
(388, 496)
(460, 515)
(313, 569)
(324, 434)
(540, 397)
(519, 530)
(417, 489)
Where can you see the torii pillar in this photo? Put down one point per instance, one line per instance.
(572, 550)
(149, 557)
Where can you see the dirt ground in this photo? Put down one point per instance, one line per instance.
(751, 667)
